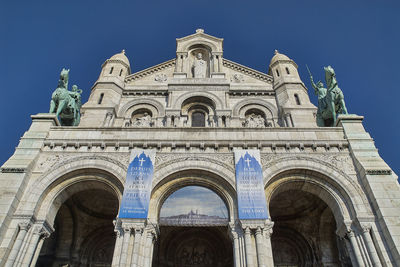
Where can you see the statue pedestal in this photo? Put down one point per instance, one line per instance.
(180, 75)
(218, 75)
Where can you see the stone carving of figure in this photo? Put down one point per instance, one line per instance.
(199, 67)
(254, 121)
(108, 119)
(144, 121)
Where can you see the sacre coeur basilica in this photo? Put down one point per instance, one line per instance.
(198, 162)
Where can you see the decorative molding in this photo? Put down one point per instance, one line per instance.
(160, 78)
(378, 172)
(237, 78)
(149, 71)
(116, 61)
(13, 170)
(55, 161)
(225, 160)
(248, 71)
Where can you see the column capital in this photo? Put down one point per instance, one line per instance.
(25, 225)
(365, 227)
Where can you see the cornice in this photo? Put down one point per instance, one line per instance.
(248, 71)
(146, 72)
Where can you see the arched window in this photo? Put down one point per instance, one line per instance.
(198, 119)
(296, 97)
(120, 73)
(111, 70)
(287, 70)
(100, 98)
(277, 72)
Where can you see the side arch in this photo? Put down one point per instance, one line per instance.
(255, 101)
(157, 105)
(341, 194)
(215, 99)
(86, 170)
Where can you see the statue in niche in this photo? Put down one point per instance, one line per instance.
(108, 119)
(254, 121)
(199, 66)
(143, 121)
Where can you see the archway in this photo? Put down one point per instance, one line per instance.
(193, 230)
(84, 230)
(304, 225)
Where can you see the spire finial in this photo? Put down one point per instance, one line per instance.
(123, 51)
(199, 31)
(276, 52)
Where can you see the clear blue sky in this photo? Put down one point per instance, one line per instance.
(360, 39)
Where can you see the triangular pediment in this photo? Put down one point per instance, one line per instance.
(248, 74)
(200, 34)
(234, 73)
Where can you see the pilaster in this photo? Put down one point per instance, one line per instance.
(18, 168)
(378, 180)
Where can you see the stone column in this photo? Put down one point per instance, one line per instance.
(23, 229)
(215, 63)
(236, 245)
(117, 248)
(136, 246)
(168, 121)
(125, 244)
(370, 246)
(220, 123)
(39, 247)
(269, 261)
(247, 241)
(260, 248)
(288, 120)
(148, 248)
(356, 249)
(38, 231)
(219, 63)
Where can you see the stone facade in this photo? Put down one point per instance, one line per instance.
(333, 201)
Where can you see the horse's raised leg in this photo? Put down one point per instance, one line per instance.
(343, 106)
(331, 107)
(52, 106)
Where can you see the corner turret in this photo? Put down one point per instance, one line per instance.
(100, 110)
(295, 107)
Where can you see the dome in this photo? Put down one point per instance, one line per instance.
(121, 56)
(277, 57)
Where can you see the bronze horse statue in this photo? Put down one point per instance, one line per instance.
(64, 103)
(330, 99)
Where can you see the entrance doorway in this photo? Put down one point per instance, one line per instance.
(84, 231)
(193, 230)
(304, 231)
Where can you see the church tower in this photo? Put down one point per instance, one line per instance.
(295, 107)
(106, 92)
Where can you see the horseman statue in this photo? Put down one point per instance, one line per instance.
(66, 104)
(330, 99)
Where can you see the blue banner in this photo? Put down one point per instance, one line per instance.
(250, 185)
(137, 190)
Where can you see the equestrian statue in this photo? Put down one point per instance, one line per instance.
(330, 99)
(66, 104)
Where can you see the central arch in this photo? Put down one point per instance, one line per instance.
(189, 235)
